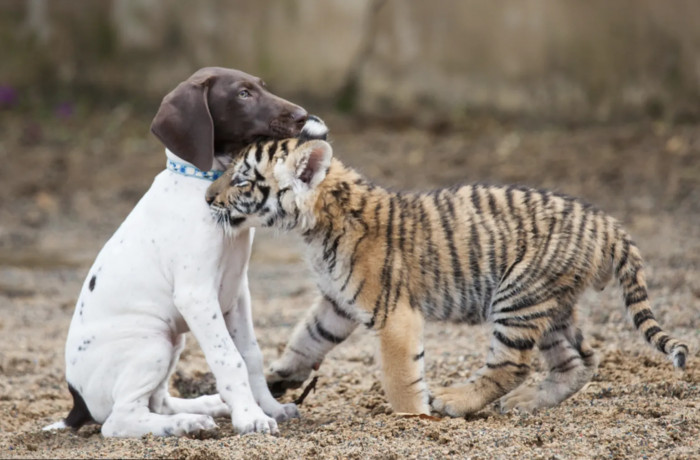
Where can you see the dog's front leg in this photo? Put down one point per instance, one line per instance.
(240, 325)
(199, 306)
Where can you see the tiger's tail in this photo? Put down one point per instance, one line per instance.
(629, 271)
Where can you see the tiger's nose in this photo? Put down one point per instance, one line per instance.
(210, 198)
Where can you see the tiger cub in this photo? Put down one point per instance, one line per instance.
(512, 256)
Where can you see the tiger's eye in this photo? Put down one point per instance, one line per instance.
(238, 181)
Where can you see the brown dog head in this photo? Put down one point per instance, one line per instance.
(218, 111)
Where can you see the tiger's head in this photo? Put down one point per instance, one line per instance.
(273, 183)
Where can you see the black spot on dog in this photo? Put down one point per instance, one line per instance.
(79, 415)
(93, 280)
(84, 346)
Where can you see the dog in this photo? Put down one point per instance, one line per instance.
(169, 269)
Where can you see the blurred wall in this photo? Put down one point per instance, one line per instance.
(552, 59)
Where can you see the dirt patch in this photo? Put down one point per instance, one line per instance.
(66, 186)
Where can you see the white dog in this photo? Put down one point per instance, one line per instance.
(170, 269)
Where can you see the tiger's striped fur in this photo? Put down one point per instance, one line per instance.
(512, 256)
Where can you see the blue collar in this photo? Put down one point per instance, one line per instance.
(189, 170)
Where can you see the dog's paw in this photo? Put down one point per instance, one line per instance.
(249, 420)
(185, 424)
(282, 412)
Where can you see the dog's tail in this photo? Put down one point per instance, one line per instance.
(78, 416)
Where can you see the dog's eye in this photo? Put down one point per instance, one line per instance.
(244, 94)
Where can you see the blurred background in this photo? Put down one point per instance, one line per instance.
(597, 98)
(544, 59)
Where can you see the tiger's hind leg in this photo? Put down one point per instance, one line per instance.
(507, 366)
(572, 363)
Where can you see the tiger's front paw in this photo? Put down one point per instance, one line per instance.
(281, 378)
(456, 401)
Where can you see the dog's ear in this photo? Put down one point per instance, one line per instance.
(184, 124)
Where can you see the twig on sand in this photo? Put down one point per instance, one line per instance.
(432, 418)
(307, 390)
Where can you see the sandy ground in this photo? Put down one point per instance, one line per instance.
(65, 185)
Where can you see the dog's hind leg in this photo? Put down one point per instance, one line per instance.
(210, 405)
(163, 403)
(135, 420)
(139, 380)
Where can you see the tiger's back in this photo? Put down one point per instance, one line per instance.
(460, 254)
(513, 256)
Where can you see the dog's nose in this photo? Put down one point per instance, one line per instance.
(299, 116)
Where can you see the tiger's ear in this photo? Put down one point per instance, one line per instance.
(310, 161)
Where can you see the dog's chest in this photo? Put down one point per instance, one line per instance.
(169, 243)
